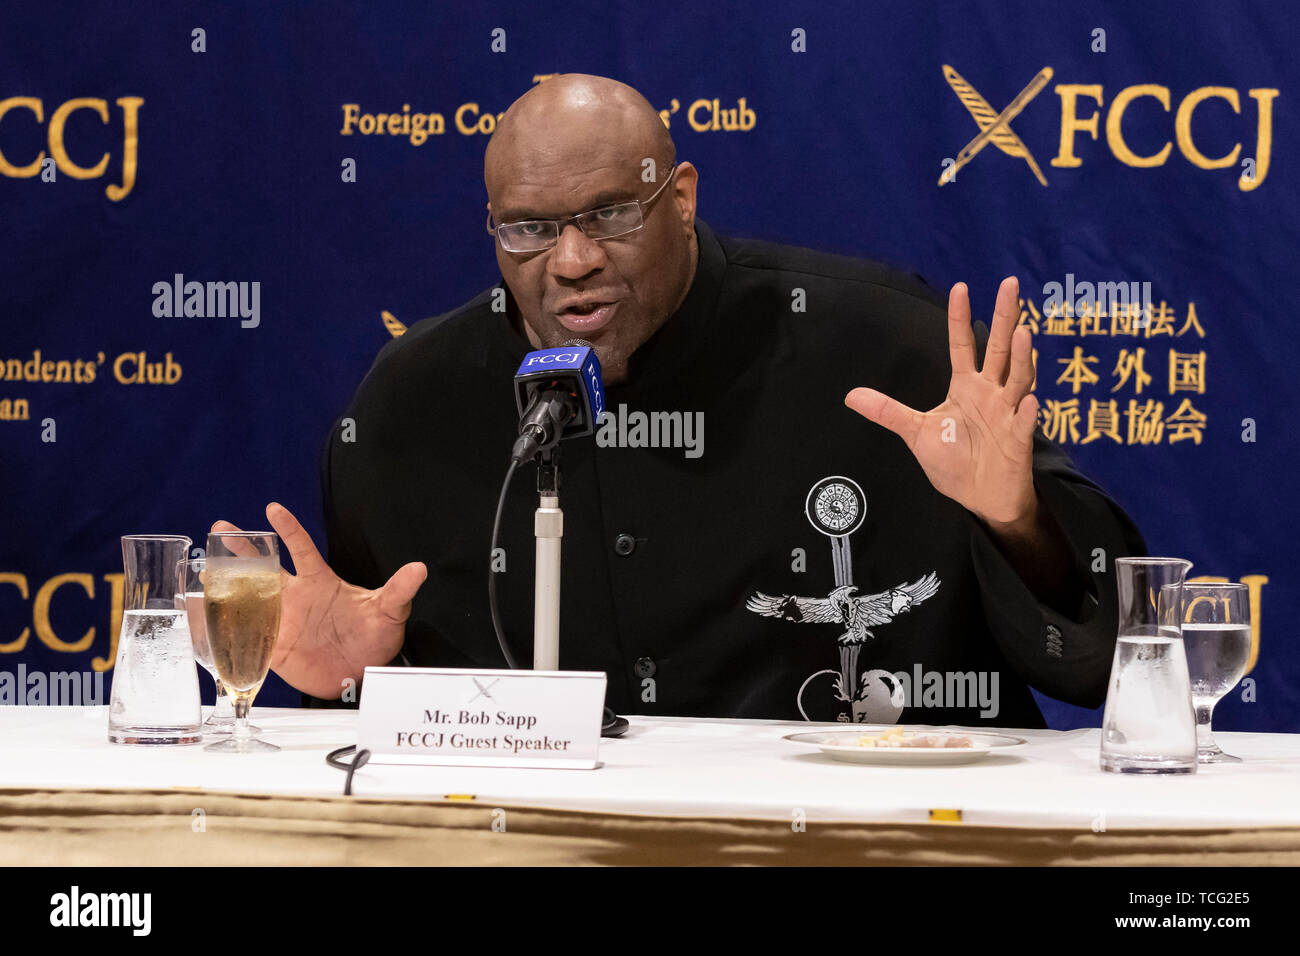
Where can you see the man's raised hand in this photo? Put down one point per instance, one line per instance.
(331, 630)
(976, 447)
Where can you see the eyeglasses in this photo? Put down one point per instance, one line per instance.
(607, 222)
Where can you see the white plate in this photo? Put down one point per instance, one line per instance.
(843, 745)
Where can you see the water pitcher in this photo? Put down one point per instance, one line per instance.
(1149, 725)
(155, 697)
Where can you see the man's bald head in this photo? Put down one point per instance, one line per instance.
(576, 111)
(572, 144)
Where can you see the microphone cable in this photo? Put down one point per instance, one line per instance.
(492, 574)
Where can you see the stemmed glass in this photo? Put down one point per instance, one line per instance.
(189, 577)
(241, 608)
(1215, 622)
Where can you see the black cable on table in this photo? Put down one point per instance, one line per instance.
(334, 759)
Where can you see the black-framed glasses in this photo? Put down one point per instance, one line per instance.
(607, 222)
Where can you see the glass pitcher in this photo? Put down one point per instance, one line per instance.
(1148, 725)
(155, 697)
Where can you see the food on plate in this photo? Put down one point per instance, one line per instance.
(897, 737)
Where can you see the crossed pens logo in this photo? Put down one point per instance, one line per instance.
(994, 127)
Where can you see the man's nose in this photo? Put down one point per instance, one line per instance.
(575, 254)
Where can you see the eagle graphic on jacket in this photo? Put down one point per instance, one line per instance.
(856, 614)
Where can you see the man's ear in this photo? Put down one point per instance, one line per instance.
(684, 192)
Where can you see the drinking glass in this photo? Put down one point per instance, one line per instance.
(241, 610)
(1215, 621)
(190, 597)
(155, 698)
(1148, 725)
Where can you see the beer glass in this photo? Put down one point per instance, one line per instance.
(190, 597)
(1148, 725)
(241, 610)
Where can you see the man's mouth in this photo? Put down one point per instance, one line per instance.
(587, 316)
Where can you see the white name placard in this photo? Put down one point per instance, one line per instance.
(485, 718)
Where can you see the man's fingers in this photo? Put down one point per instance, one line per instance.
(884, 411)
(395, 596)
(240, 547)
(961, 337)
(1021, 378)
(306, 559)
(1005, 314)
(1026, 420)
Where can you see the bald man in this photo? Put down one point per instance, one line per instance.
(927, 568)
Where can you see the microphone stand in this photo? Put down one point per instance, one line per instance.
(548, 528)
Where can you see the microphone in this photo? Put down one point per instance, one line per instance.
(559, 395)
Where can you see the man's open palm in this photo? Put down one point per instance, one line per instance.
(331, 630)
(977, 446)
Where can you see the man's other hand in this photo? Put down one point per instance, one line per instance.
(330, 630)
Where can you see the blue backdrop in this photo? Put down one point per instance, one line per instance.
(1164, 138)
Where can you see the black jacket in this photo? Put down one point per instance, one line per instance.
(682, 564)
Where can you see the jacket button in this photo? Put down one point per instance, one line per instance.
(645, 667)
(1054, 644)
(624, 544)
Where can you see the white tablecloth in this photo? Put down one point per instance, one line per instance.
(688, 767)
